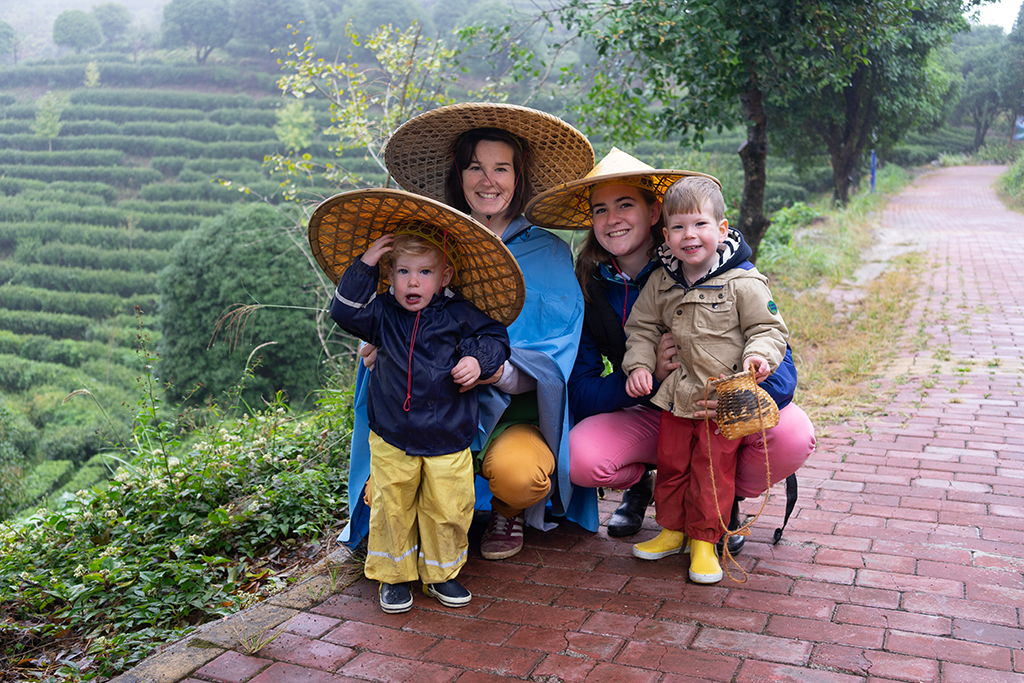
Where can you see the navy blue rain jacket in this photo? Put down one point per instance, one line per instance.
(440, 419)
(592, 394)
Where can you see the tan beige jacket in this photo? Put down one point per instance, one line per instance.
(716, 324)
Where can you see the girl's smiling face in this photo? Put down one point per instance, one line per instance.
(489, 181)
(622, 219)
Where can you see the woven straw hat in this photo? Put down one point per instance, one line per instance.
(344, 226)
(567, 207)
(419, 154)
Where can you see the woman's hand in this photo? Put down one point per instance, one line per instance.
(664, 365)
(368, 352)
(490, 380)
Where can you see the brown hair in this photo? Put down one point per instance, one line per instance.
(592, 255)
(462, 156)
(691, 194)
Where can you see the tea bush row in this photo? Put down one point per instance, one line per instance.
(142, 76)
(96, 112)
(70, 352)
(60, 278)
(12, 233)
(90, 305)
(49, 197)
(56, 325)
(181, 207)
(80, 256)
(82, 157)
(17, 212)
(152, 146)
(164, 99)
(12, 186)
(132, 177)
(173, 165)
(206, 191)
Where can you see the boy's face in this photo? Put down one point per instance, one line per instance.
(417, 278)
(694, 239)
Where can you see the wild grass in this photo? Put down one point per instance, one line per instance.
(838, 349)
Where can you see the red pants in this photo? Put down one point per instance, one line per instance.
(683, 496)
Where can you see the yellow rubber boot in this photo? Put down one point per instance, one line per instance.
(668, 542)
(704, 567)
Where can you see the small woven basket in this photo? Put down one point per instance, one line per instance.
(743, 407)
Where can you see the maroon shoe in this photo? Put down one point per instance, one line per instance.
(503, 538)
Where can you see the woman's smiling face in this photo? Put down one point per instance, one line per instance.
(622, 219)
(489, 181)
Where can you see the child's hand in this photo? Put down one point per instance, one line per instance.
(466, 371)
(377, 249)
(640, 383)
(368, 352)
(761, 367)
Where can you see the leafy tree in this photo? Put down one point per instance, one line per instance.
(8, 39)
(1012, 77)
(77, 29)
(244, 262)
(981, 57)
(264, 23)
(47, 123)
(92, 75)
(295, 126)
(114, 20)
(670, 68)
(894, 89)
(202, 24)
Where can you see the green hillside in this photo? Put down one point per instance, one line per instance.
(87, 221)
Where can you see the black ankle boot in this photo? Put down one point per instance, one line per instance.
(735, 542)
(629, 516)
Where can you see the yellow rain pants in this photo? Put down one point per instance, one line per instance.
(420, 515)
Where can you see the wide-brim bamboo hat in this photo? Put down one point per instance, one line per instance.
(420, 153)
(343, 227)
(567, 207)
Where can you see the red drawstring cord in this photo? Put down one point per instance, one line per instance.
(408, 381)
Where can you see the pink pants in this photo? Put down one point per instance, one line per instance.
(611, 449)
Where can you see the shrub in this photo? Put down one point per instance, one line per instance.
(57, 325)
(241, 257)
(17, 439)
(13, 186)
(169, 166)
(169, 99)
(46, 477)
(79, 256)
(778, 195)
(67, 352)
(91, 235)
(97, 306)
(1011, 183)
(1001, 152)
(120, 176)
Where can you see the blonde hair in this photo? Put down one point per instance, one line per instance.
(416, 239)
(693, 194)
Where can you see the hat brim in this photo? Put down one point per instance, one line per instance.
(567, 207)
(343, 227)
(419, 154)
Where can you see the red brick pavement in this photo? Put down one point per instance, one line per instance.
(903, 561)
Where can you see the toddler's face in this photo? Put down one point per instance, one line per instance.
(417, 278)
(694, 239)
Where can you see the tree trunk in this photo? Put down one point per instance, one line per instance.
(754, 153)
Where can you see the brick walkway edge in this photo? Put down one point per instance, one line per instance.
(903, 561)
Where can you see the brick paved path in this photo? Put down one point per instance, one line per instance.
(903, 561)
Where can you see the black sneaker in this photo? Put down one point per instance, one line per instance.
(395, 597)
(450, 593)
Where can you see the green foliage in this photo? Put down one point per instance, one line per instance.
(203, 25)
(8, 38)
(77, 29)
(981, 101)
(47, 124)
(1011, 183)
(242, 258)
(114, 20)
(267, 24)
(96, 306)
(62, 278)
(172, 541)
(16, 442)
(46, 477)
(998, 152)
(1011, 78)
(366, 105)
(294, 126)
(92, 75)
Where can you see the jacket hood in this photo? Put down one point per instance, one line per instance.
(731, 253)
